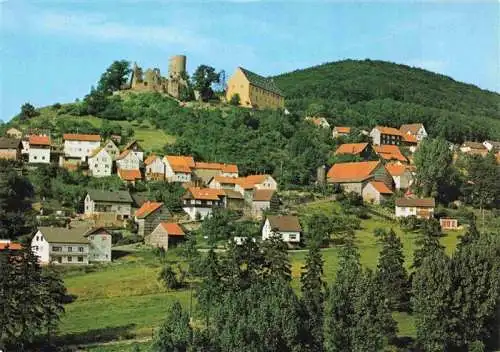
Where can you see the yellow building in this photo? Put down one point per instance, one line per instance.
(254, 90)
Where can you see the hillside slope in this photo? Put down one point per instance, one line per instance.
(363, 93)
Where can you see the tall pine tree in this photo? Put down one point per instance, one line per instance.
(391, 272)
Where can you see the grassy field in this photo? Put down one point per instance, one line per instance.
(148, 136)
(125, 300)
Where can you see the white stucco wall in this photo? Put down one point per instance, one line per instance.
(292, 237)
(101, 164)
(130, 162)
(39, 155)
(80, 149)
(40, 247)
(192, 211)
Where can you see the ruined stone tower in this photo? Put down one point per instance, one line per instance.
(177, 66)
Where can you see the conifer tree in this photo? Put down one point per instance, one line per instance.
(313, 296)
(432, 295)
(391, 272)
(209, 289)
(428, 245)
(276, 261)
(175, 334)
(339, 310)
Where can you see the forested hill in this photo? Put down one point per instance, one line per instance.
(363, 93)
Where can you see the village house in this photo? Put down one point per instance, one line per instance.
(254, 91)
(286, 226)
(10, 148)
(200, 202)
(135, 148)
(165, 235)
(129, 176)
(204, 171)
(353, 177)
(127, 160)
(401, 175)
(100, 163)
(223, 182)
(376, 192)
(71, 245)
(261, 201)
(363, 150)
(155, 168)
(14, 133)
(39, 149)
(448, 224)
(9, 245)
(385, 135)
(416, 130)
(178, 168)
(118, 203)
(422, 208)
(492, 146)
(475, 148)
(340, 131)
(318, 121)
(410, 141)
(389, 153)
(149, 216)
(233, 200)
(112, 149)
(80, 146)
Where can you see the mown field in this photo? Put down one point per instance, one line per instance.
(124, 300)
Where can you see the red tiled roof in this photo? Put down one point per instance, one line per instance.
(81, 137)
(252, 180)
(395, 169)
(389, 130)
(263, 195)
(416, 202)
(230, 168)
(129, 175)
(409, 138)
(381, 187)
(123, 154)
(205, 193)
(227, 180)
(412, 128)
(39, 140)
(389, 152)
(15, 246)
(352, 172)
(342, 129)
(172, 228)
(180, 163)
(351, 148)
(146, 209)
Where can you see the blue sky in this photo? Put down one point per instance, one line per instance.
(53, 51)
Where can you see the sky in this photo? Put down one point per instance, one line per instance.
(54, 51)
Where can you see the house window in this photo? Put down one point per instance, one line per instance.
(43, 158)
(80, 259)
(80, 249)
(92, 237)
(35, 157)
(70, 249)
(59, 259)
(56, 249)
(70, 258)
(292, 237)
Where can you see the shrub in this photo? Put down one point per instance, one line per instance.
(235, 100)
(167, 275)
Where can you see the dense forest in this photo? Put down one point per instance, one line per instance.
(365, 93)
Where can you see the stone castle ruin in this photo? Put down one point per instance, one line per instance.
(152, 81)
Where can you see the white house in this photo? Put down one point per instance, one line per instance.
(318, 121)
(39, 149)
(288, 227)
(339, 131)
(80, 146)
(127, 161)
(415, 129)
(385, 135)
(119, 203)
(135, 148)
(421, 208)
(376, 192)
(112, 149)
(178, 168)
(200, 202)
(255, 182)
(71, 245)
(100, 163)
(155, 168)
(14, 133)
(400, 174)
